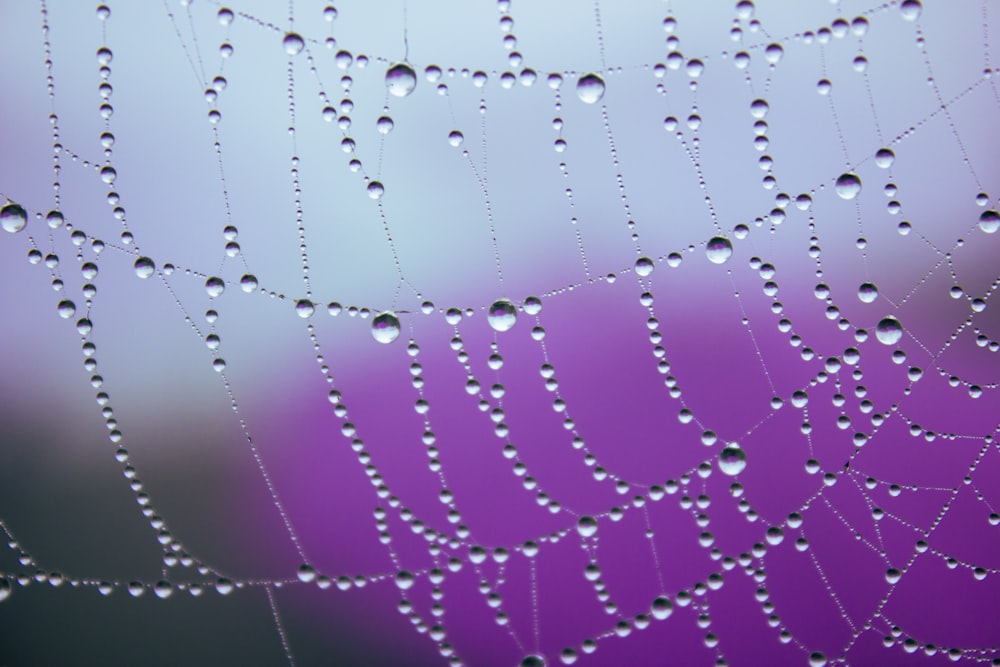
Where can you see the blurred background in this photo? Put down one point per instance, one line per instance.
(173, 449)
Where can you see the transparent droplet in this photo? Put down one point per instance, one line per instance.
(384, 125)
(215, 286)
(719, 249)
(225, 16)
(910, 9)
(590, 88)
(144, 267)
(385, 327)
(455, 138)
(732, 460)
(773, 53)
(13, 218)
(293, 43)
(892, 575)
(533, 661)
(644, 266)
(66, 309)
(817, 659)
(759, 108)
(662, 607)
(376, 189)
(532, 305)
(848, 186)
(884, 158)
(4, 588)
(989, 221)
(502, 315)
(248, 283)
(163, 589)
(306, 573)
(304, 308)
(889, 331)
(400, 79)
(586, 526)
(55, 219)
(404, 580)
(867, 292)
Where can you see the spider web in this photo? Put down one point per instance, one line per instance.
(499, 333)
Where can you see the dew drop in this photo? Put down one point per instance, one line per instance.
(867, 292)
(306, 573)
(644, 266)
(400, 79)
(385, 327)
(304, 308)
(144, 267)
(404, 580)
(108, 174)
(455, 138)
(989, 221)
(376, 189)
(384, 125)
(910, 9)
(4, 588)
(293, 43)
(759, 108)
(892, 575)
(248, 283)
(662, 607)
(884, 158)
(163, 589)
(889, 331)
(13, 218)
(590, 88)
(719, 249)
(773, 53)
(55, 219)
(215, 286)
(732, 460)
(817, 659)
(533, 661)
(502, 315)
(586, 526)
(848, 186)
(66, 309)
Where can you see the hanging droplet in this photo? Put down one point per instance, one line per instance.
(400, 79)
(304, 308)
(293, 43)
(13, 218)
(163, 589)
(586, 526)
(404, 580)
(55, 219)
(644, 266)
(248, 283)
(66, 309)
(759, 108)
(817, 659)
(144, 267)
(384, 125)
(662, 607)
(385, 327)
(306, 573)
(910, 9)
(590, 88)
(848, 186)
(533, 661)
(732, 460)
(376, 189)
(502, 315)
(867, 292)
(455, 138)
(773, 53)
(215, 286)
(889, 331)
(989, 221)
(4, 588)
(719, 249)
(884, 158)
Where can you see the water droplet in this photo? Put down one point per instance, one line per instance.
(719, 249)
(662, 607)
(306, 573)
(108, 174)
(384, 125)
(773, 53)
(404, 580)
(848, 186)
(248, 283)
(867, 292)
(759, 108)
(225, 16)
(889, 331)
(215, 286)
(892, 575)
(586, 526)
(385, 327)
(644, 266)
(989, 221)
(590, 88)
(884, 158)
(66, 309)
(293, 43)
(910, 9)
(13, 218)
(732, 460)
(400, 79)
(163, 589)
(304, 308)
(532, 305)
(55, 219)
(4, 588)
(375, 189)
(455, 138)
(144, 267)
(136, 589)
(744, 10)
(502, 315)
(533, 661)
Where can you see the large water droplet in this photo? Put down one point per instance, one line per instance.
(732, 460)
(293, 43)
(502, 315)
(533, 661)
(13, 218)
(590, 88)
(884, 158)
(817, 659)
(662, 607)
(144, 267)
(215, 286)
(848, 186)
(586, 526)
(910, 9)
(644, 266)
(867, 292)
(4, 588)
(376, 189)
(304, 308)
(400, 79)
(385, 327)
(248, 283)
(719, 249)
(989, 221)
(889, 331)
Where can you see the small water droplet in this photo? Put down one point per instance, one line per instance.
(248, 283)
(293, 43)
(867, 292)
(385, 327)
(455, 138)
(66, 309)
(404, 580)
(732, 460)
(586, 526)
(13, 218)
(163, 589)
(400, 79)
(376, 189)
(644, 266)
(773, 53)
(144, 267)
(889, 331)
(848, 186)
(662, 607)
(215, 286)
(884, 158)
(533, 661)
(590, 88)
(910, 9)
(304, 308)
(759, 108)
(989, 221)
(502, 315)
(719, 249)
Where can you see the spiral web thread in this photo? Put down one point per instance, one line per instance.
(747, 253)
